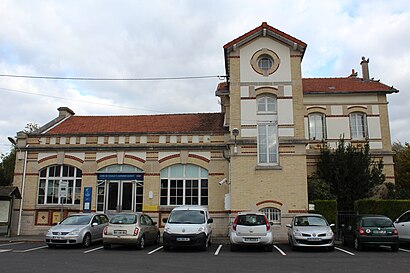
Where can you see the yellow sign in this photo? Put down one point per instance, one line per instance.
(56, 217)
(150, 208)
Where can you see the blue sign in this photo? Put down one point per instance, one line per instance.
(87, 199)
(120, 176)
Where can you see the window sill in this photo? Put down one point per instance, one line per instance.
(55, 206)
(268, 167)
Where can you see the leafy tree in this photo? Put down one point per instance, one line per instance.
(7, 168)
(318, 189)
(401, 190)
(350, 172)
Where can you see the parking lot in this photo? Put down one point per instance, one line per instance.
(37, 257)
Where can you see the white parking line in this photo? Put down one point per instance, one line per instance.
(217, 250)
(9, 244)
(155, 250)
(405, 250)
(31, 249)
(280, 250)
(345, 251)
(94, 249)
(5, 250)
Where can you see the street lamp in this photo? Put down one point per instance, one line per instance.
(235, 133)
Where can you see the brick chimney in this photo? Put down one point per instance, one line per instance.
(365, 69)
(65, 112)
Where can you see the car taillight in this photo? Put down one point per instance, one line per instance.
(136, 230)
(395, 232)
(105, 230)
(235, 223)
(362, 232)
(267, 224)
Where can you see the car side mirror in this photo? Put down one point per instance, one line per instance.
(210, 220)
(94, 224)
(164, 220)
(397, 220)
(332, 225)
(288, 225)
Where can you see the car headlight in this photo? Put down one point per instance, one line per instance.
(167, 229)
(329, 233)
(74, 232)
(201, 229)
(296, 232)
(49, 232)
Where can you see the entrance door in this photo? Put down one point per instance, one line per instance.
(120, 196)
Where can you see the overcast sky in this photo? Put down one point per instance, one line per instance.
(149, 39)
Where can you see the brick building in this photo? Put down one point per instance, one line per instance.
(255, 154)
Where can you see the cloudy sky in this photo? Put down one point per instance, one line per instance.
(168, 39)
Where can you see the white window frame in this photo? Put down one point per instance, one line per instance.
(265, 102)
(358, 125)
(268, 143)
(273, 215)
(317, 122)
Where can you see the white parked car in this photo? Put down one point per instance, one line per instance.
(83, 229)
(188, 226)
(251, 229)
(310, 230)
(402, 224)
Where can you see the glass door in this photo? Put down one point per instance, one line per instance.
(120, 196)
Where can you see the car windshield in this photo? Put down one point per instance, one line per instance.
(187, 217)
(251, 220)
(310, 221)
(376, 222)
(124, 219)
(77, 220)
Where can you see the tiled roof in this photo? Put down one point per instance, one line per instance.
(344, 85)
(173, 123)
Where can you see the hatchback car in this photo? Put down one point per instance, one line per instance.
(310, 230)
(402, 224)
(251, 229)
(375, 230)
(135, 229)
(83, 229)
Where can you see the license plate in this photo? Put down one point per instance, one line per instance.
(57, 237)
(379, 231)
(251, 239)
(183, 239)
(120, 232)
(314, 239)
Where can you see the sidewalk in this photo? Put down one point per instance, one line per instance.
(21, 238)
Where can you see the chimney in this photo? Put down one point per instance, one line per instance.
(65, 112)
(365, 69)
(353, 75)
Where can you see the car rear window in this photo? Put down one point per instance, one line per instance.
(376, 222)
(251, 220)
(124, 219)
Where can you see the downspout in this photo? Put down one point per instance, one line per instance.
(22, 190)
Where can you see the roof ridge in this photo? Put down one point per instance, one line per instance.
(150, 115)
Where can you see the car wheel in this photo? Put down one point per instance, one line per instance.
(234, 247)
(357, 244)
(51, 246)
(269, 248)
(205, 244)
(292, 246)
(141, 244)
(107, 246)
(158, 239)
(86, 240)
(395, 247)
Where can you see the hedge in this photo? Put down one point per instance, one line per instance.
(391, 208)
(328, 208)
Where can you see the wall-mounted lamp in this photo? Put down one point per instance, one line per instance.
(235, 133)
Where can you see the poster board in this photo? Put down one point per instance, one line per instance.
(4, 211)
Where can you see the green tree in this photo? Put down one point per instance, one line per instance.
(7, 168)
(350, 172)
(318, 189)
(401, 190)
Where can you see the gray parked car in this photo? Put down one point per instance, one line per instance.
(135, 229)
(310, 230)
(402, 224)
(83, 229)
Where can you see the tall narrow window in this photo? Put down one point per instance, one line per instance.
(358, 125)
(317, 126)
(267, 143)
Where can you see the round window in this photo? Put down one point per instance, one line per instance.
(265, 62)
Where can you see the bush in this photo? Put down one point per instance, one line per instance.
(328, 208)
(390, 208)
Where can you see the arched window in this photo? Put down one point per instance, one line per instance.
(317, 126)
(266, 103)
(273, 215)
(52, 184)
(358, 125)
(184, 185)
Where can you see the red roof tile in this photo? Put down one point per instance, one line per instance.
(173, 123)
(343, 85)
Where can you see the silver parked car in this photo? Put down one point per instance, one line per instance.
(251, 229)
(310, 230)
(131, 229)
(83, 229)
(402, 224)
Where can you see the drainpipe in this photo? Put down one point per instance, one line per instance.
(22, 190)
